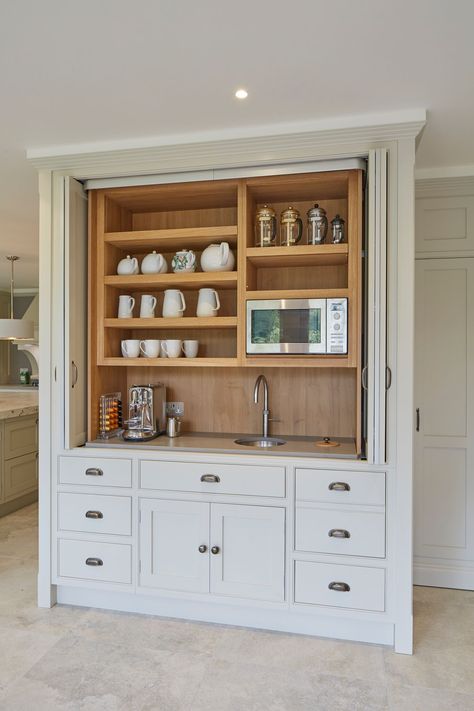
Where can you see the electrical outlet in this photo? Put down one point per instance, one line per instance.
(175, 409)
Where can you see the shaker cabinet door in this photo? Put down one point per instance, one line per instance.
(247, 551)
(174, 545)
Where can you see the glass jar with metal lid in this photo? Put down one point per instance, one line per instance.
(291, 227)
(265, 227)
(338, 229)
(317, 225)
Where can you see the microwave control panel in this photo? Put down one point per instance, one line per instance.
(336, 326)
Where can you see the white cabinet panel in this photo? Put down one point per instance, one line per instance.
(91, 513)
(330, 530)
(90, 560)
(250, 560)
(95, 471)
(171, 533)
(444, 225)
(349, 586)
(340, 487)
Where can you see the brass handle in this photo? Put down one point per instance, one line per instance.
(215, 550)
(94, 471)
(388, 378)
(364, 377)
(338, 533)
(76, 374)
(339, 486)
(94, 514)
(202, 548)
(94, 562)
(339, 587)
(210, 478)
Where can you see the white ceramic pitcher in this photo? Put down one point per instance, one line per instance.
(208, 303)
(173, 303)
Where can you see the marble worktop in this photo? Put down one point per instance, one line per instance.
(15, 403)
(224, 444)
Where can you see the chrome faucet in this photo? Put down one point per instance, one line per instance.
(266, 411)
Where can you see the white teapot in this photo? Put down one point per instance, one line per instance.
(154, 264)
(217, 258)
(184, 261)
(129, 265)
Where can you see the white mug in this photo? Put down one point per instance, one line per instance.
(173, 303)
(208, 302)
(147, 306)
(131, 348)
(171, 348)
(150, 348)
(190, 348)
(125, 308)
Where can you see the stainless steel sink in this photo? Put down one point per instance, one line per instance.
(262, 442)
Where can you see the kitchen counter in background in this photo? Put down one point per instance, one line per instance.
(18, 403)
(224, 444)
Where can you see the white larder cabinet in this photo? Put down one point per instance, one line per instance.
(222, 549)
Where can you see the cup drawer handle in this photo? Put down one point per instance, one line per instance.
(339, 587)
(94, 471)
(339, 486)
(338, 533)
(94, 514)
(210, 478)
(94, 562)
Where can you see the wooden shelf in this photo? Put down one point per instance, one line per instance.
(298, 294)
(308, 361)
(172, 239)
(188, 280)
(169, 323)
(172, 362)
(304, 255)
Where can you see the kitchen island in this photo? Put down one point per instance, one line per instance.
(18, 448)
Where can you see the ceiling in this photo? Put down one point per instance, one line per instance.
(115, 69)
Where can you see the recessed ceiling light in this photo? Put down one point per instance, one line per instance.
(241, 94)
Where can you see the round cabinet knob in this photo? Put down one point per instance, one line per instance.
(202, 548)
(215, 550)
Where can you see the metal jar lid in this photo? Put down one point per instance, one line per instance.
(265, 213)
(338, 220)
(289, 215)
(316, 212)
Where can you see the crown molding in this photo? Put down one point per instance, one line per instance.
(264, 145)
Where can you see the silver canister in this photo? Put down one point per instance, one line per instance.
(173, 427)
(317, 225)
(338, 229)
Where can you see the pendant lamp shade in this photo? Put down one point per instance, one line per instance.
(15, 329)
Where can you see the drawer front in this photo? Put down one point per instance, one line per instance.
(20, 476)
(94, 471)
(213, 478)
(91, 513)
(339, 487)
(21, 437)
(348, 586)
(320, 530)
(89, 560)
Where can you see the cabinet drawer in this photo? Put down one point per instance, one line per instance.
(348, 586)
(20, 476)
(213, 478)
(339, 487)
(21, 437)
(94, 471)
(92, 513)
(352, 532)
(89, 560)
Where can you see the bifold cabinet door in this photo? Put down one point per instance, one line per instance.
(247, 546)
(171, 534)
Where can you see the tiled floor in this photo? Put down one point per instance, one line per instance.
(73, 659)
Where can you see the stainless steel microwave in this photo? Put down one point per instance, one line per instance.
(297, 326)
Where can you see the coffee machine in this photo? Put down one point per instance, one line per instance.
(146, 412)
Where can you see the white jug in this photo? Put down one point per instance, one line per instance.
(129, 265)
(147, 306)
(208, 303)
(173, 303)
(154, 263)
(126, 304)
(217, 258)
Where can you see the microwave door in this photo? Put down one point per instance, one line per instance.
(286, 326)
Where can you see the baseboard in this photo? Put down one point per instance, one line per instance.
(438, 575)
(319, 625)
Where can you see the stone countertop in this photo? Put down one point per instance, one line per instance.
(18, 404)
(224, 444)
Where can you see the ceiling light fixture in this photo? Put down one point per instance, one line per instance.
(15, 329)
(241, 94)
